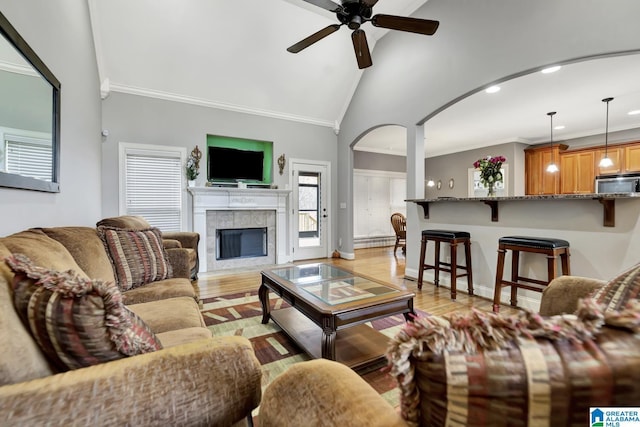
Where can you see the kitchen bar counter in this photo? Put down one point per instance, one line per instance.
(606, 199)
(598, 249)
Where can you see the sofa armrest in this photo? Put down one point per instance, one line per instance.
(187, 239)
(208, 382)
(171, 243)
(324, 393)
(179, 259)
(564, 292)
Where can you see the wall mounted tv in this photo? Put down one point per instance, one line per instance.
(230, 160)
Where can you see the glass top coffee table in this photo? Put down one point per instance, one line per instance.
(329, 307)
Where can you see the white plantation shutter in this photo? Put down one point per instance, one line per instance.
(153, 187)
(29, 157)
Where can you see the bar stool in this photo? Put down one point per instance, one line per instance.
(452, 238)
(552, 248)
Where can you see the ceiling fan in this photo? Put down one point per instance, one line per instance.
(354, 13)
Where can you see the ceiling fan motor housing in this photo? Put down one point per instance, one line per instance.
(354, 13)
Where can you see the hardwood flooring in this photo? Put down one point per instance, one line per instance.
(378, 263)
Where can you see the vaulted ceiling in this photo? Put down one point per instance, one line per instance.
(232, 55)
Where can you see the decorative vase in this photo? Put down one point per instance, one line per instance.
(491, 189)
(191, 183)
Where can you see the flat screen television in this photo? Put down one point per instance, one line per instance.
(232, 164)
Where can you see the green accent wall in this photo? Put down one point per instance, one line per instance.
(248, 145)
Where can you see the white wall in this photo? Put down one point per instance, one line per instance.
(143, 120)
(60, 34)
(477, 43)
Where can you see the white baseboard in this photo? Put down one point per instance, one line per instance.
(347, 255)
(373, 242)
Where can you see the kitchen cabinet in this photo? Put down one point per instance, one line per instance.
(577, 172)
(578, 168)
(632, 158)
(537, 179)
(616, 156)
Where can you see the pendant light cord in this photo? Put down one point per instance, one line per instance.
(606, 131)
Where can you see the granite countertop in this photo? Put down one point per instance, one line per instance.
(606, 199)
(533, 197)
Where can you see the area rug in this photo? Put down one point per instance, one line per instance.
(241, 314)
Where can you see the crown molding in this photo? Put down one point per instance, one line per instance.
(167, 96)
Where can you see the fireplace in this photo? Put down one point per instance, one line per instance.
(245, 238)
(217, 208)
(241, 243)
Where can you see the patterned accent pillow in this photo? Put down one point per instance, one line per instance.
(77, 322)
(620, 291)
(138, 256)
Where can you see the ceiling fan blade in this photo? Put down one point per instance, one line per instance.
(412, 25)
(361, 48)
(326, 4)
(369, 3)
(303, 44)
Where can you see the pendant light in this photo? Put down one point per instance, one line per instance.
(606, 162)
(552, 166)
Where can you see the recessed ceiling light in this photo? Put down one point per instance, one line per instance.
(634, 112)
(551, 69)
(493, 89)
(559, 127)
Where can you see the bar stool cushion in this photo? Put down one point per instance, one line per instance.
(446, 234)
(534, 242)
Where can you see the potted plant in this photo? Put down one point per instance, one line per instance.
(490, 172)
(193, 166)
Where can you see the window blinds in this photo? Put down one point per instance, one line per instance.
(153, 188)
(29, 157)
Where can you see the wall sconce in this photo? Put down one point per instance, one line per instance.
(281, 162)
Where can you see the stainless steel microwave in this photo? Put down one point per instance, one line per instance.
(618, 184)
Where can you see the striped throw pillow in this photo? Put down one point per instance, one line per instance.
(76, 322)
(138, 256)
(619, 291)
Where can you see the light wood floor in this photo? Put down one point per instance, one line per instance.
(378, 263)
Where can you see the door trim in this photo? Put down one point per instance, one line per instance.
(299, 164)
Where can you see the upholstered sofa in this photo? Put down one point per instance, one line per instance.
(486, 369)
(191, 378)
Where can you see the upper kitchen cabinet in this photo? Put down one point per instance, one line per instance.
(537, 179)
(632, 158)
(616, 156)
(577, 172)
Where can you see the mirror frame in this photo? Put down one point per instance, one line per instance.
(18, 181)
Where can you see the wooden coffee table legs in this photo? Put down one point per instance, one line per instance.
(328, 339)
(263, 295)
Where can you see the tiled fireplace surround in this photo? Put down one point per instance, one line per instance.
(224, 208)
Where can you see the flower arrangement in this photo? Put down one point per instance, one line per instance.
(193, 164)
(490, 170)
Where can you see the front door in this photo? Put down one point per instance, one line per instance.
(311, 222)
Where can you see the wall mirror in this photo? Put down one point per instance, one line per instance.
(29, 116)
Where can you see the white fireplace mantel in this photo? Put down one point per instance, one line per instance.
(226, 198)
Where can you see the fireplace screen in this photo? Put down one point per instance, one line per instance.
(241, 243)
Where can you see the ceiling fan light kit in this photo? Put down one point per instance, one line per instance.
(354, 13)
